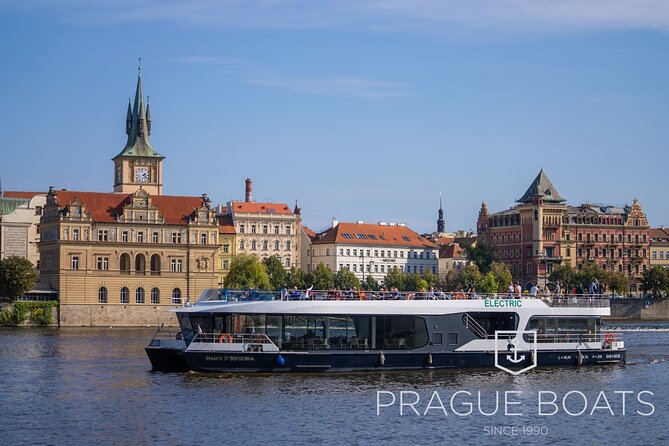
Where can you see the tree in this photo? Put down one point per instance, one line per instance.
(370, 283)
(655, 280)
(17, 277)
(502, 275)
(394, 279)
(565, 274)
(246, 271)
(323, 278)
(430, 278)
(345, 279)
(296, 278)
(588, 273)
(482, 255)
(451, 282)
(618, 282)
(488, 284)
(276, 272)
(470, 276)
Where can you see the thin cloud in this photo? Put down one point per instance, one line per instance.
(395, 15)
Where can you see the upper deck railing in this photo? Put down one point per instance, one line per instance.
(553, 300)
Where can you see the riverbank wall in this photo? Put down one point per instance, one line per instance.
(632, 309)
(29, 314)
(72, 315)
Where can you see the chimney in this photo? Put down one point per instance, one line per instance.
(249, 190)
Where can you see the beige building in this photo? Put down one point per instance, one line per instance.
(659, 247)
(373, 249)
(267, 229)
(20, 214)
(451, 257)
(226, 240)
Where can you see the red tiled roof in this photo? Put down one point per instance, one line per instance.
(658, 233)
(261, 208)
(103, 206)
(311, 234)
(373, 234)
(21, 194)
(225, 225)
(451, 251)
(444, 240)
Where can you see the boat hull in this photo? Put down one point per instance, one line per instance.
(167, 359)
(313, 361)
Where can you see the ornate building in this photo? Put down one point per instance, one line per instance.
(541, 231)
(266, 229)
(659, 247)
(123, 258)
(20, 214)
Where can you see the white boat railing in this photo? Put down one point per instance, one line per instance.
(232, 338)
(553, 300)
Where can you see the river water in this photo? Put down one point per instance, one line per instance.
(95, 386)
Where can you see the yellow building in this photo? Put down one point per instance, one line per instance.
(226, 240)
(124, 258)
(659, 247)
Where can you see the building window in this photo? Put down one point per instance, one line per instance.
(288, 230)
(155, 264)
(155, 296)
(254, 245)
(288, 245)
(139, 296)
(276, 245)
(276, 229)
(226, 249)
(124, 236)
(176, 265)
(102, 295)
(176, 296)
(203, 238)
(241, 245)
(288, 262)
(75, 234)
(253, 229)
(355, 268)
(176, 237)
(140, 264)
(103, 235)
(264, 229)
(225, 264)
(125, 295)
(124, 263)
(241, 229)
(75, 262)
(265, 245)
(103, 263)
(140, 237)
(154, 237)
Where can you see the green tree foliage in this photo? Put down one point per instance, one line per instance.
(589, 272)
(370, 283)
(617, 282)
(488, 284)
(276, 272)
(470, 276)
(296, 278)
(502, 275)
(394, 279)
(482, 255)
(655, 280)
(17, 276)
(452, 281)
(246, 271)
(565, 274)
(323, 278)
(345, 279)
(430, 278)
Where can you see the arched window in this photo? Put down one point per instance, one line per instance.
(587, 237)
(125, 295)
(155, 264)
(140, 264)
(265, 245)
(644, 238)
(596, 237)
(155, 296)
(139, 296)
(254, 245)
(102, 295)
(276, 245)
(241, 245)
(580, 237)
(604, 237)
(124, 263)
(636, 239)
(176, 296)
(288, 245)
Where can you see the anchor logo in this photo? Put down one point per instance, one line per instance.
(512, 350)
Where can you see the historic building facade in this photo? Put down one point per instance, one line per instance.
(267, 229)
(226, 240)
(542, 231)
(373, 249)
(659, 247)
(123, 258)
(20, 214)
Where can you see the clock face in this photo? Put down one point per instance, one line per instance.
(142, 175)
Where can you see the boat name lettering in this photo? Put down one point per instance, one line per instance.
(497, 303)
(238, 358)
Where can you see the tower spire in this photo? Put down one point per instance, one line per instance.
(441, 224)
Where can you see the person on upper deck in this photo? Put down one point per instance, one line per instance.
(534, 290)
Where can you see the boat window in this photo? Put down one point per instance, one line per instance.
(549, 327)
(452, 339)
(492, 322)
(438, 338)
(400, 332)
(201, 324)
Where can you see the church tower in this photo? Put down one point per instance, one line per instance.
(138, 166)
(441, 223)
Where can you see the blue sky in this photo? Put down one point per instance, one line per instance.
(361, 110)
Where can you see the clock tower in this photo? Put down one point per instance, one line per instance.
(138, 166)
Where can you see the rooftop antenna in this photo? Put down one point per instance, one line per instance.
(139, 66)
(2, 193)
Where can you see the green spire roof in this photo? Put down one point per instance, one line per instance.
(541, 187)
(138, 128)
